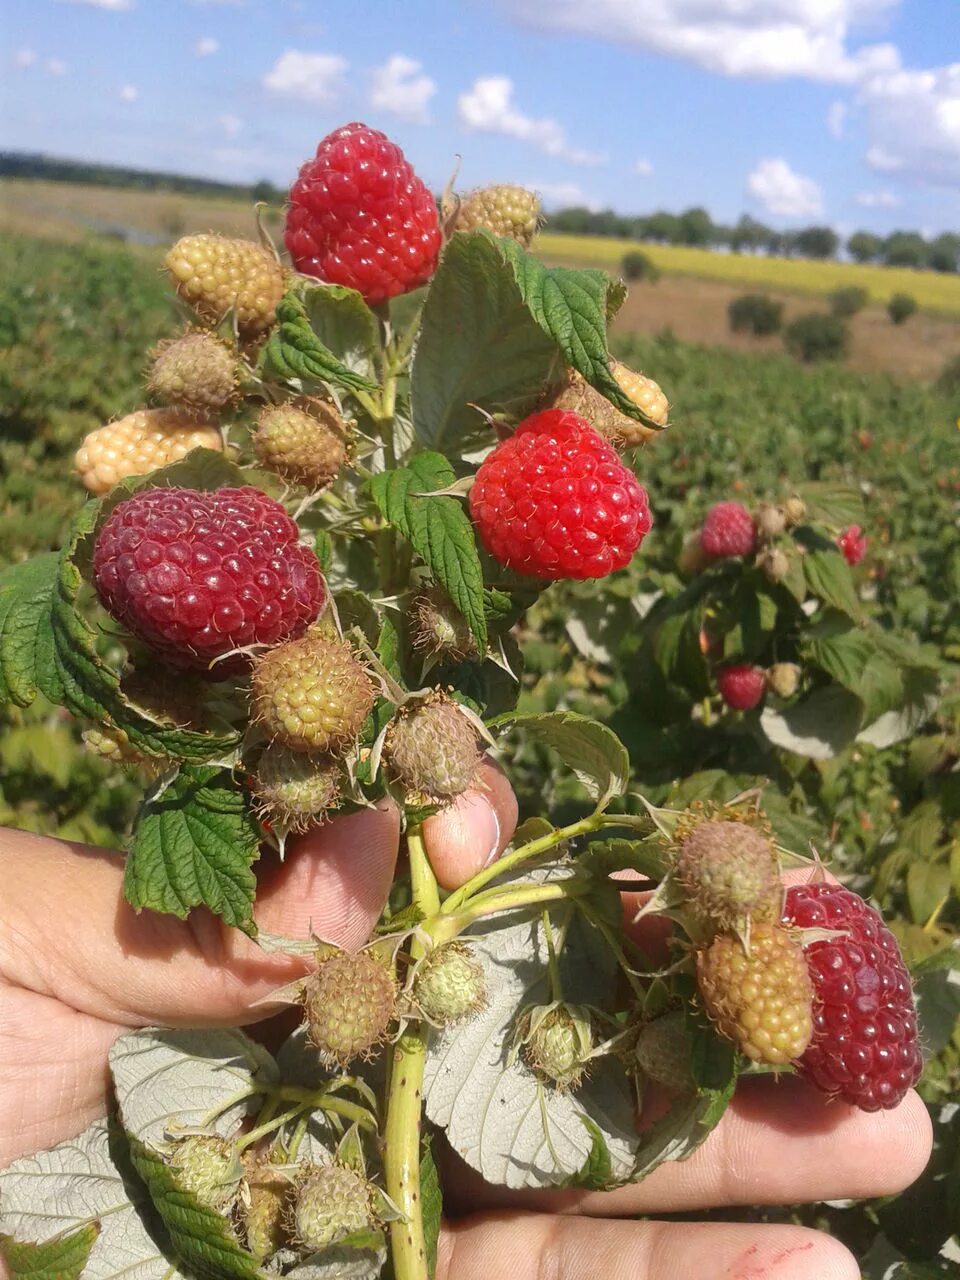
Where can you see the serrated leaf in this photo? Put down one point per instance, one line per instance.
(431, 1201)
(62, 1258)
(294, 351)
(439, 530)
(571, 307)
(166, 1080)
(919, 699)
(842, 650)
(341, 1262)
(594, 752)
(819, 726)
(604, 857)
(829, 578)
(193, 846)
(676, 1135)
(596, 1172)
(494, 1109)
(478, 345)
(79, 1182)
(832, 504)
(26, 593)
(200, 1237)
(346, 326)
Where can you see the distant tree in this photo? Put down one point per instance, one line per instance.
(905, 249)
(574, 221)
(944, 252)
(695, 227)
(816, 242)
(848, 300)
(901, 307)
(265, 191)
(721, 235)
(749, 235)
(663, 227)
(755, 313)
(864, 246)
(816, 336)
(637, 265)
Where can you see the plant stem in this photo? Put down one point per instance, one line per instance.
(508, 898)
(405, 1100)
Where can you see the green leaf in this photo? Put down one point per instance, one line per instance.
(646, 857)
(439, 530)
(596, 1172)
(26, 591)
(346, 326)
(928, 888)
(61, 1258)
(594, 752)
(431, 1201)
(478, 345)
(294, 351)
(828, 577)
(936, 983)
(201, 1237)
(842, 650)
(195, 845)
(571, 307)
(833, 504)
(818, 726)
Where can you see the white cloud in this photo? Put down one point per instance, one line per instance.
(488, 107)
(836, 118)
(558, 195)
(24, 58)
(116, 5)
(780, 190)
(231, 125)
(398, 87)
(878, 200)
(309, 77)
(762, 38)
(643, 167)
(913, 119)
(206, 46)
(56, 67)
(128, 93)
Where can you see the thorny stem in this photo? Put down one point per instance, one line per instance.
(404, 1099)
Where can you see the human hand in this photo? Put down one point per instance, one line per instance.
(77, 969)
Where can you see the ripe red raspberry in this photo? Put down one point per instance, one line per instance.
(853, 543)
(741, 686)
(196, 575)
(555, 501)
(359, 216)
(728, 531)
(864, 1047)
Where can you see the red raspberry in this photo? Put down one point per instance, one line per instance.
(555, 501)
(853, 543)
(728, 531)
(195, 575)
(741, 686)
(359, 216)
(864, 1047)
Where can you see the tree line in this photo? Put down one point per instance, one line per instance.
(748, 235)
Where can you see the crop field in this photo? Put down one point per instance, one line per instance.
(747, 422)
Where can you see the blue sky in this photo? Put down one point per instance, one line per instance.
(843, 111)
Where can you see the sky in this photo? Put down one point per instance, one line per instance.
(844, 112)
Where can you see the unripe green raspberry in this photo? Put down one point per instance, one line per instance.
(195, 373)
(312, 694)
(774, 564)
(450, 985)
(770, 520)
(556, 1042)
(663, 1052)
(431, 749)
(783, 679)
(795, 510)
(265, 1201)
(348, 1005)
(332, 1203)
(505, 210)
(303, 441)
(729, 873)
(761, 998)
(294, 789)
(439, 628)
(209, 1168)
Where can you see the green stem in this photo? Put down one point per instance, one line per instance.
(405, 1099)
(510, 898)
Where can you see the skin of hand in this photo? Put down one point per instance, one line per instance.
(78, 968)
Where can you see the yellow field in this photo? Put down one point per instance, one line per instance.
(932, 290)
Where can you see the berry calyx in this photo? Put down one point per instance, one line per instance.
(864, 1047)
(348, 1005)
(195, 373)
(217, 275)
(196, 574)
(760, 997)
(853, 544)
(555, 1042)
(662, 1052)
(303, 441)
(209, 1168)
(431, 749)
(439, 628)
(332, 1203)
(509, 211)
(450, 985)
(729, 875)
(728, 531)
(312, 694)
(783, 679)
(138, 444)
(741, 686)
(294, 789)
(359, 216)
(554, 501)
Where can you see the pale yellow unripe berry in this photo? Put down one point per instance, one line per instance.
(138, 444)
(216, 275)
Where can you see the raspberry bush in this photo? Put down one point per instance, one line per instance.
(355, 565)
